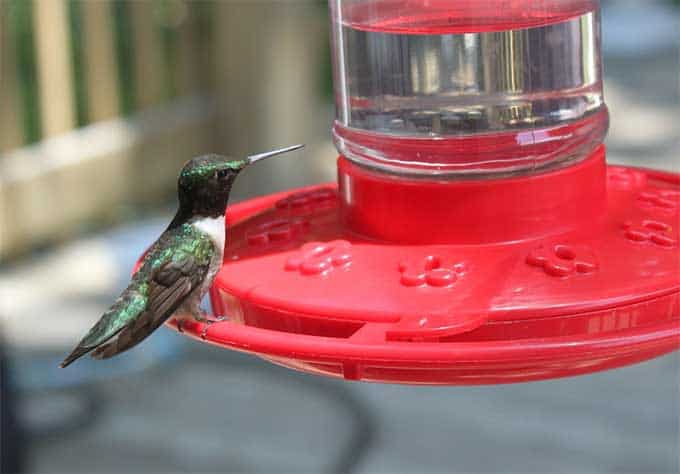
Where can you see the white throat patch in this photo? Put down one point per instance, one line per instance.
(214, 227)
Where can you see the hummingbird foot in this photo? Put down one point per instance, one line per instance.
(180, 325)
(209, 322)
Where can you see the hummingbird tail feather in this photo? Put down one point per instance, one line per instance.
(77, 353)
(130, 304)
(108, 350)
(129, 337)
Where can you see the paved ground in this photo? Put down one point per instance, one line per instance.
(216, 411)
(178, 406)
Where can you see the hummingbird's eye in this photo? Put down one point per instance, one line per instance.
(222, 174)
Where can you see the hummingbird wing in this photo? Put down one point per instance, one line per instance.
(167, 277)
(167, 290)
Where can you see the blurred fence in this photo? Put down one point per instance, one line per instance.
(69, 63)
(101, 101)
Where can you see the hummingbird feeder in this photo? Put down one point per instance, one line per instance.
(476, 234)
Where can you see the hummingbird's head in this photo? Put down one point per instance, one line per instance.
(205, 181)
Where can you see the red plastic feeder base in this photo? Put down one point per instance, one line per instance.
(466, 282)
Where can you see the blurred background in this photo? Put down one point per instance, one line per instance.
(100, 104)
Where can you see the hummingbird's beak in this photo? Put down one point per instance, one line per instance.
(261, 156)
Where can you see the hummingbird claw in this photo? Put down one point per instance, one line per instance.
(204, 333)
(180, 326)
(209, 322)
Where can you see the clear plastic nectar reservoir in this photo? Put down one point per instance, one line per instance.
(467, 87)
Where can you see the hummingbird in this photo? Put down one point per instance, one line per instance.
(180, 266)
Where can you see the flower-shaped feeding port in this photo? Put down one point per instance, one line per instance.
(650, 232)
(659, 200)
(306, 201)
(563, 260)
(430, 272)
(276, 231)
(320, 258)
(625, 179)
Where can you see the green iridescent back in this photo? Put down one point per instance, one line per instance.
(175, 244)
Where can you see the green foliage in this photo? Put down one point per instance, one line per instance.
(21, 31)
(124, 55)
(204, 13)
(122, 33)
(325, 77)
(76, 33)
(166, 13)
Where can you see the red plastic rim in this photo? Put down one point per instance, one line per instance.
(305, 290)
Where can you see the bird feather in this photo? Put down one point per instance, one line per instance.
(174, 267)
